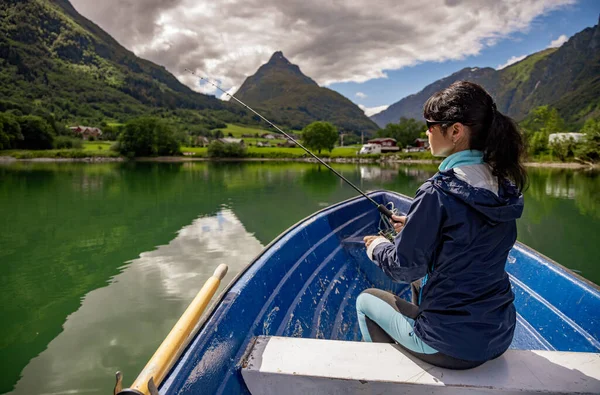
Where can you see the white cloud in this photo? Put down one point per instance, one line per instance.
(512, 60)
(360, 95)
(355, 40)
(231, 91)
(559, 41)
(372, 110)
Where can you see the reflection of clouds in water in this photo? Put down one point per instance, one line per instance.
(118, 327)
(198, 249)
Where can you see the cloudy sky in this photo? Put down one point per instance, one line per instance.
(372, 51)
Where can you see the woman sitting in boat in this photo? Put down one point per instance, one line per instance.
(456, 238)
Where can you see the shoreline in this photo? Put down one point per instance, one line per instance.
(89, 159)
(177, 159)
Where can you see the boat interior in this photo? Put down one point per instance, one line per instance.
(305, 285)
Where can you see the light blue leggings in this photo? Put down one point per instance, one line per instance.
(387, 315)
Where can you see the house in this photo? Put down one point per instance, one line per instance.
(268, 136)
(230, 140)
(556, 137)
(263, 144)
(85, 132)
(387, 144)
(422, 143)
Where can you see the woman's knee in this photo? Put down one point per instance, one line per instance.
(362, 302)
(368, 302)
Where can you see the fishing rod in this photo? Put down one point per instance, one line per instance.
(382, 208)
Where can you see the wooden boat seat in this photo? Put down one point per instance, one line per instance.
(285, 365)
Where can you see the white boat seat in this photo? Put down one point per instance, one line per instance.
(284, 365)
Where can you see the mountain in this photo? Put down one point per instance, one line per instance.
(567, 78)
(290, 98)
(54, 59)
(412, 106)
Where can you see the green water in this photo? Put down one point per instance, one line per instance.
(99, 260)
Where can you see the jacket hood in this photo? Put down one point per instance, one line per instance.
(506, 206)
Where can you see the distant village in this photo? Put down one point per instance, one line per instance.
(373, 146)
(201, 141)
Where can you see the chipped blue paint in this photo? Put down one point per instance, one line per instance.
(305, 283)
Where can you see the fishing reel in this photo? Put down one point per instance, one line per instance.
(390, 235)
(386, 225)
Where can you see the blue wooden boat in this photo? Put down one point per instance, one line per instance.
(305, 284)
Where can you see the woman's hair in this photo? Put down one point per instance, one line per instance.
(491, 131)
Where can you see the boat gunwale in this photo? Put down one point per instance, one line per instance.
(552, 262)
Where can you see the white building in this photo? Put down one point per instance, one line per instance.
(576, 137)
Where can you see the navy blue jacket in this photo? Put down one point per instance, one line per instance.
(460, 236)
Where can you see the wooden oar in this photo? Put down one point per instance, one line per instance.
(161, 362)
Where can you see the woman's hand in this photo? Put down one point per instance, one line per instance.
(369, 239)
(398, 222)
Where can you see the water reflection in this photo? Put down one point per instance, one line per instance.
(547, 187)
(65, 230)
(115, 325)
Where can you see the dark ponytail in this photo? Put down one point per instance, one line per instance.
(490, 131)
(504, 149)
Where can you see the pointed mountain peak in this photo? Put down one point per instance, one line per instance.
(279, 59)
(278, 67)
(295, 100)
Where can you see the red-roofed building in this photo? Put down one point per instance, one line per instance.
(86, 132)
(387, 144)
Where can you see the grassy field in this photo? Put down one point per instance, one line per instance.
(280, 152)
(237, 131)
(97, 146)
(59, 153)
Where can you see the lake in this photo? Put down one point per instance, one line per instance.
(100, 260)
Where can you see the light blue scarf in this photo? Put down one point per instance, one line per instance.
(462, 158)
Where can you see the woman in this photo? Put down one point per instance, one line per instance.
(455, 238)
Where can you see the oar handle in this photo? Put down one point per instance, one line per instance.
(167, 353)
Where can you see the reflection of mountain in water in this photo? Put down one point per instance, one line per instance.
(118, 327)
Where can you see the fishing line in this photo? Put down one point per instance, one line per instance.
(382, 208)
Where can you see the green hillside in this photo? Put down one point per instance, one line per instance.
(52, 59)
(567, 78)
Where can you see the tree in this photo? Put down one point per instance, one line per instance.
(405, 132)
(563, 148)
(110, 133)
(10, 131)
(319, 136)
(539, 125)
(589, 149)
(538, 143)
(147, 136)
(37, 133)
(217, 149)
